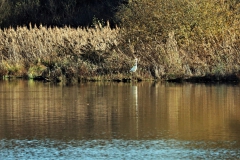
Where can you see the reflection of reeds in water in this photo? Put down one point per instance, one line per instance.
(202, 110)
(189, 111)
(117, 109)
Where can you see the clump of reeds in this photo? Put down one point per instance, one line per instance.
(83, 51)
(73, 53)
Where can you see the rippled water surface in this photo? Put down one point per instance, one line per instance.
(119, 121)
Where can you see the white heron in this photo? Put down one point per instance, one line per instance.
(134, 68)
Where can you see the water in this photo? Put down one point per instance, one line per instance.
(119, 121)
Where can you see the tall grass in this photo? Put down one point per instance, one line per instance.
(23, 47)
(72, 53)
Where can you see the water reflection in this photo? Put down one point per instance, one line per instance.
(134, 95)
(201, 116)
(108, 110)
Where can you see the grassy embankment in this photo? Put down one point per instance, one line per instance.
(199, 40)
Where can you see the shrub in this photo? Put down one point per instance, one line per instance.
(183, 35)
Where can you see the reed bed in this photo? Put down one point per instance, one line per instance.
(101, 53)
(76, 52)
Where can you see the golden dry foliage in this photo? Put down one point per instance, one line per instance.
(66, 46)
(30, 44)
(171, 39)
(185, 37)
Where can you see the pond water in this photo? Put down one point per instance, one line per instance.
(106, 120)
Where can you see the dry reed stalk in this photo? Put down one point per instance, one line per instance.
(40, 42)
(53, 45)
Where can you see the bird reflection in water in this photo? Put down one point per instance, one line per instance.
(135, 103)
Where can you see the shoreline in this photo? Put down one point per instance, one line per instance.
(233, 78)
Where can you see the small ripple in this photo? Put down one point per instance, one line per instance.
(115, 149)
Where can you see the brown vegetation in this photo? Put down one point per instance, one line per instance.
(56, 53)
(184, 38)
(173, 40)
